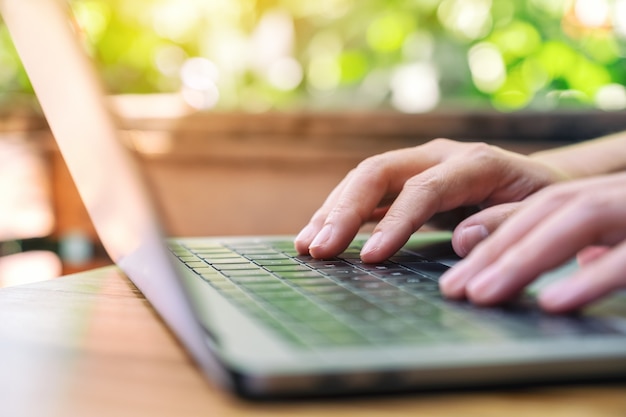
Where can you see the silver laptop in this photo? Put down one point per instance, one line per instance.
(264, 322)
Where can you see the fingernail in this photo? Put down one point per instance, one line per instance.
(471, 236)
(452, 283)
(304, 238)
(559, 295)
(306, 234)
(552, 295)
(322, 237)
(486, 286)
(372, 244)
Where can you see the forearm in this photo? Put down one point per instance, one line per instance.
(595, 157)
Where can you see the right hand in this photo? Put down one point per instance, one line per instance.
(404, 189)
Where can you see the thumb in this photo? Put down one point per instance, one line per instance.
(473, 230)
(590, 254)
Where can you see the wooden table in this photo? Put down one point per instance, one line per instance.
(90, 345)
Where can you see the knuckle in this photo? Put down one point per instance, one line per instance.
(374, 169)
(430, 186)
(441, 142)
(590, 207)
(426, 183)
(558, 193)
(482, 152)
(399, 220)
(319, 216)
(373, 163)
(429, 190)
(348, 213)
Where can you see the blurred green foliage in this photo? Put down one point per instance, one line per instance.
(411, 55)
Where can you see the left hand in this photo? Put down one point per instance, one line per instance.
(546, 230)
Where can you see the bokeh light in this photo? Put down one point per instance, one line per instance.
(200, 77)
(415, 88)
(611, 97)
(410, 56)
(487, 66)
(592, 13)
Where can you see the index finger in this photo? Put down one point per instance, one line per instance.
(374, 182)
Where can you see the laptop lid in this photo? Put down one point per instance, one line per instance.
(113, 191)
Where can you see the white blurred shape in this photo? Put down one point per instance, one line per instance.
(199, 73)
(415, 88)
(175, 20)
(471, 18)
(29, 267)
(611, 97)
(200, 100)
(619, 17)
(272, 39)
(285, 74)
(487, 67)
(199, 77)
(592, 13)
(25, 207)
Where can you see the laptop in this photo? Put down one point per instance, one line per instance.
(264, 322)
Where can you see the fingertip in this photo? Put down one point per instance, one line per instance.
(452, 283)
(373, 258)
(465, 239)
(490, 287)
(590, 254)
(304, 238)
(371, 249)
(379, 247)
(329, 242)
(478, 227)
(452, 289)
(559, 297)
(318, 246)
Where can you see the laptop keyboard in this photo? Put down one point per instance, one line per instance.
(342, 301)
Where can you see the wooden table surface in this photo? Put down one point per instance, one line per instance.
(90, 345)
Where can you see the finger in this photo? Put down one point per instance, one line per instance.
(374, 183)
(549, 244)
(479, 172)
(307, 234)
(590, 254)
(457, 181)
(305, 238)
(454, 283)
(477, 227)
(594, 280)
(350, 209)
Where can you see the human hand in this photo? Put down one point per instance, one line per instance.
(405, 188)
(584, 217)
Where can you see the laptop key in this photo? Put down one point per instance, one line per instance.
(296, 275)
(256, 278)
(274, 261)
(279, 269)
(431, 270)
(196, 264)
(265, 286)
(249, 272)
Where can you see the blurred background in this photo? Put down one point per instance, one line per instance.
(407, 55)
(225, 61)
